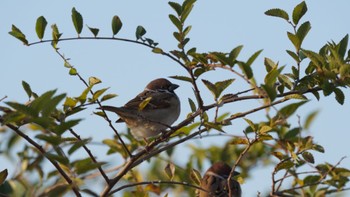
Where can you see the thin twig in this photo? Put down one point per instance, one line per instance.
(3, 98)
(156, 182)
(44, 153)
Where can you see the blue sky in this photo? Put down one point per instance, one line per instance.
(126, 68)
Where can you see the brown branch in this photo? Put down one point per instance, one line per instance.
(44, 153)
(3, 98)
(156, 182)
(87, 150)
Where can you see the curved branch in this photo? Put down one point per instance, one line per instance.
(44, 153)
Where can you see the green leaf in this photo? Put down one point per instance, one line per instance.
(271, 77)
(269, 64)
(108, 96)
(308, 157)
(116, 24)
(309, 119)
(253, 58)
(299, 12)
(170, 170)
(83, 95)
(296, 96)
(339, 96)
(177, 7)
(284, 165)
(276, 12)
(192, 105)
(182, 78)
(77, 20)
(94, 31)
(50, 105)
(27, 88)
(236, 141)
(315, 58)
(285, 81)
(3, 175)
(70, 102)
(251, 124)
(51, 139)
(303, 30)
(157, 50)
(64, 126)
(290, 109)
(144, 103)
(318, 148)
(293, 55)
(222, 85)
(84, 165)
(40, 27)
(270, 91)
(295, 40)
(234, 54)
(343, 44)
(265, 129)
(186, 9)
(140, 31)
(77, 144)
(98, 93)
(195, 176)
(211, 87)
(93, 81)
(55, 35)
(312, 179)
(216, 126)
(23, 109)
(176, 22)
(279, 155)
(73, 71)
(61, 159)
(18, 34)
(247, 70)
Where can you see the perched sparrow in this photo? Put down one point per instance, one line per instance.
(215, 182)
(160, 113)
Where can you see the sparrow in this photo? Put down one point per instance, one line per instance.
(215, 182)
(161, 110)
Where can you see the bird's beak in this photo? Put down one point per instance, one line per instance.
(173, 87)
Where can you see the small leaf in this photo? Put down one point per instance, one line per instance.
(276, 12)
(93, 81)
(27, 88)
(51, 139)
(108, 96)
(234, 53)
(253, 58)
(116, 24)
(290, 109)
(170, 170)
(192, 105)
(284, 165)
(295, 40)
(195, 176)
(343, 45)
(211, 87)
(70, 102)
(82, 97)
(77, 20)
(157, 50)
(98, 93)
(3, 175)
(270, 91)
(18, 34)
(308, 157)
(64, 126)
(73, 71)
(186, 9)
(318, 148)
(177, 7)
(211, 125)
(40, 27)
(77, 145)
(176, 22)
(140, 31)
(279, 155)
(94, 31)
(339, 96)
(293, 55)
(265, 129)
(309, 119)
(296, 96)
(312, 179)
(303, 30)
(251, 124)
(222, 85)
(182, 78)
(299, 12)
(144, 103)
(61, 159)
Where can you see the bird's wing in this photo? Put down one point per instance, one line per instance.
(159, 100)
